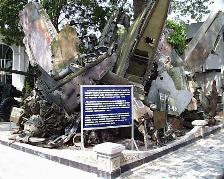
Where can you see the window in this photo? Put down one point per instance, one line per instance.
(6, 61)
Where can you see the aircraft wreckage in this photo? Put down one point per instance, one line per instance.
(50, 117)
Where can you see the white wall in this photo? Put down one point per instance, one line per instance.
(20, 63)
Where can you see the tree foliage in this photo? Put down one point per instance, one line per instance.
(191, 9)
(54, 10)
(89, 15)
(9, 20)
(177, 35)
(85, 15)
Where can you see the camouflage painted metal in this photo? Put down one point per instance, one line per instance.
(65, 47)
(37, 27)
(136, 54)
(51, 52)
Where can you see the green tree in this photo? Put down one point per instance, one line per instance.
(194, 9)
(177, 35)
(54, 10)
(89, 15)
(9, 20)
(86, 15)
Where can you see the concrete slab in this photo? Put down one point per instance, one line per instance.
(21, 165)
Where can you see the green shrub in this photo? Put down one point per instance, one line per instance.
(177, 35)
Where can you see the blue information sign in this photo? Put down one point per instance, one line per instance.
(106, 106)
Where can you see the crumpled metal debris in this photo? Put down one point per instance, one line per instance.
(143, 59)
(203, 42)
(164, 84)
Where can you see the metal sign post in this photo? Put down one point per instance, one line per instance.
(106, 106)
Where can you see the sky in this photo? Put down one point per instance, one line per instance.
(216, 6)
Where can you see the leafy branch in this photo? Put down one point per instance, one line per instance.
(177, 35)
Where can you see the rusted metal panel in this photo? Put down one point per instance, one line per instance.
(159, 118)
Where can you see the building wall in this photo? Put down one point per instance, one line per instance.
(20, 62)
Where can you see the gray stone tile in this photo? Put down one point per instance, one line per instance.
(204, 159)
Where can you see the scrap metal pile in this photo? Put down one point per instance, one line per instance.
(50, 117)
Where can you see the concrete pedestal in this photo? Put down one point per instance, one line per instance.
(108, 159)
(201, 123)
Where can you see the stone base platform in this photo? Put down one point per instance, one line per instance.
(87, 160)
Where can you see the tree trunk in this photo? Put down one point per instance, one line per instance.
(138, 6)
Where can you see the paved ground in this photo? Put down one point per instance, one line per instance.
(16, 164)
(204, 159)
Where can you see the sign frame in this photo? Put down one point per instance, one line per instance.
(107, 127)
